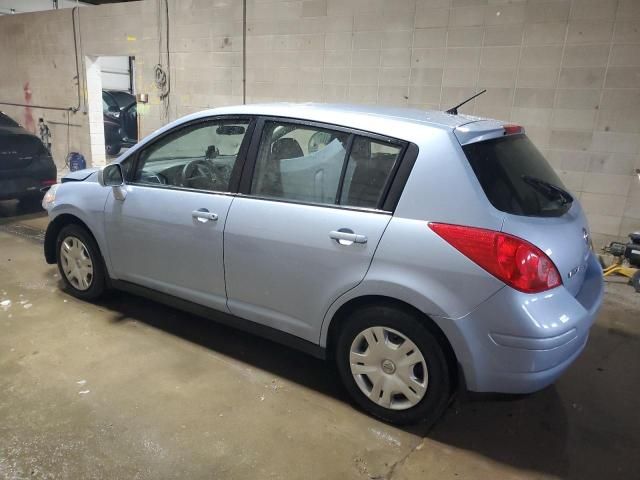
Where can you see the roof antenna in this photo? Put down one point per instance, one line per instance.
(454, 110)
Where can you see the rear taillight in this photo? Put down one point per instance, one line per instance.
(47, 183)
(517, 263)
(512, 129)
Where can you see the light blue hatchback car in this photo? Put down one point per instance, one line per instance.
(412, 248)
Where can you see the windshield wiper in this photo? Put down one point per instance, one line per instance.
(552, 191)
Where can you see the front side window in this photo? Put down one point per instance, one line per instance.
(299, 163)
(200, 156)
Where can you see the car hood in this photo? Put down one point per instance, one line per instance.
(79, 175)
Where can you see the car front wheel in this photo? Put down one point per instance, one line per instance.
(393, 366)
(80, 263)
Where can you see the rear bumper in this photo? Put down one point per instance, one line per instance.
(21, 187)
(519, 343)
(27, 180)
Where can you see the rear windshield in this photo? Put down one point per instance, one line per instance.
(516, 177)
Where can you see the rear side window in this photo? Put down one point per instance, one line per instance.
(299, 163)
(369, 168)
(516, 177)
(309, 164)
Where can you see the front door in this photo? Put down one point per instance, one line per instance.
(167, 233)
(309, 226)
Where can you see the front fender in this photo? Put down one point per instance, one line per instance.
(84, 201)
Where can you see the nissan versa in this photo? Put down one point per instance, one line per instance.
(417, 250)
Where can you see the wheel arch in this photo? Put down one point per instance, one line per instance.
(345, 310)
(54, 228)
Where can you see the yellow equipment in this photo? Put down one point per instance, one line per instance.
(626, 263)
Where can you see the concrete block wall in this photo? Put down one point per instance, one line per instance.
(568, 70)
(37, 66)
(38, 54)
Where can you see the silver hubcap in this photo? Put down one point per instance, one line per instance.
(76, 263)
(388, 368)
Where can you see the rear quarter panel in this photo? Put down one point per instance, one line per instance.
(412, 263)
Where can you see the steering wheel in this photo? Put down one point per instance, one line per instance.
(198, 174)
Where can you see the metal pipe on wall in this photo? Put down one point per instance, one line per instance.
(244, 52)
(75, 46)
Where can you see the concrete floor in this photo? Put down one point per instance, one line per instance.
(131, 389)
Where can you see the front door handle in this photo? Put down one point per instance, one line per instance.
(345, 236)
(203, 215)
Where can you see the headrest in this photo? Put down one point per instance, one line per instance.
(286, 148)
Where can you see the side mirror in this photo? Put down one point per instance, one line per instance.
(111, 176)
(113, 109)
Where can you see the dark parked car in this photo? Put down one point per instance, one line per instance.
(26, 166)
(120, 117)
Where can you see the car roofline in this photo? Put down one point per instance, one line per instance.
(433, 118)
(406, 123)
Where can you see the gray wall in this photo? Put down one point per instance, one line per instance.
(22, 6)
(569, 71)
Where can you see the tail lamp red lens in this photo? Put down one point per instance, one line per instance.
(512, 129)
(514, 261)
(48, 183)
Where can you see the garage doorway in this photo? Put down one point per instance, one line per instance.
(113, 111)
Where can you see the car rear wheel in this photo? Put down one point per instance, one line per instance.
(393, 366)
(80, 263)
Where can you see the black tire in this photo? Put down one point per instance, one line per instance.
(439, 385)
(113, 149)
(97, 285)
(635, 281)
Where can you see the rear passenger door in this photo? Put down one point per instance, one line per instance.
(304, 229)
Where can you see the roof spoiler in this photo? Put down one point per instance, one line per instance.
(482, 130)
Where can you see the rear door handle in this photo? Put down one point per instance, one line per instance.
(347, 237)
(203, 215)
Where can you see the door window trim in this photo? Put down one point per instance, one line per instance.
(394, 184)
(238, 167)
